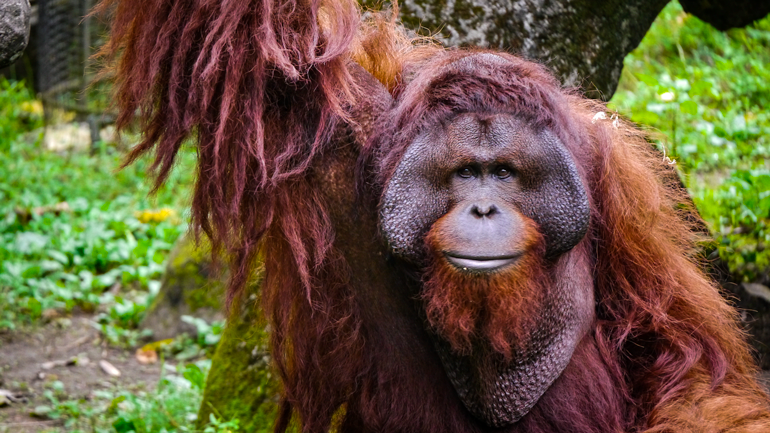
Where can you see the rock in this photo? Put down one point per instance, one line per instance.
(14, 29)
(67, 136)
(724, 14)
(757, 290)
(583, 41)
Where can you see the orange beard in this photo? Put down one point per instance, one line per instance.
(500, 309)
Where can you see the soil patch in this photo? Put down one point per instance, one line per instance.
(67, 350)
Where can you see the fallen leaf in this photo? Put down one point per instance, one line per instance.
(50, 314)
(55, 208)
(156, 345)
(53, 364)
(108, 368)
(8, 397)
(146, 356)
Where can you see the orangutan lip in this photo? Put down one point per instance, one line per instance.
(476, 263)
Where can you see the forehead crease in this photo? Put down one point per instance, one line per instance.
(465, 130)
(507, 136)
(487, 137)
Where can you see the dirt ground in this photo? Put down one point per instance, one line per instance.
(30, 361)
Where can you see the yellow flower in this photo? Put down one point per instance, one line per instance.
(32, 107)
(155, 216)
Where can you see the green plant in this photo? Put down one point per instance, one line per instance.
(739, 211)
(76, 233)
(19, 111)
(184, 347)
(208, 335)
(171, 407)
(705, 89)
(706, 92)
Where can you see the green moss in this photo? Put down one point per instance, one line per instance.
(206, 295)
(241, 384)
(190, 287)
(190, 267)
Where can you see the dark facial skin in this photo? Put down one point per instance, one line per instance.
(486, 181)
(484, 171)
(481, 181)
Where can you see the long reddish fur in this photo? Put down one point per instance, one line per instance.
(500, 308)
(261, 85)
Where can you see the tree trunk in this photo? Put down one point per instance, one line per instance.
(582, 41)
(725, 14)
(190, 287)
(241, 384)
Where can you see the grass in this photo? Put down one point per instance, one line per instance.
(707, 92)
(171, 407)
(72, 227)
(76, 235)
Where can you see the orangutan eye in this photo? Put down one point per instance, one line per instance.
(503, 173)
(465, 172)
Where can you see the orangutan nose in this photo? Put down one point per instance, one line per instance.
(484, 209)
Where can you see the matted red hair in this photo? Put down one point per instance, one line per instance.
(259, 87)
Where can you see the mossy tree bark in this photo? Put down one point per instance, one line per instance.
(241, 384)
(190, 286)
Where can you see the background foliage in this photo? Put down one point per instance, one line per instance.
(707, 93)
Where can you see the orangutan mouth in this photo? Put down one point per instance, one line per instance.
(480, 263)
